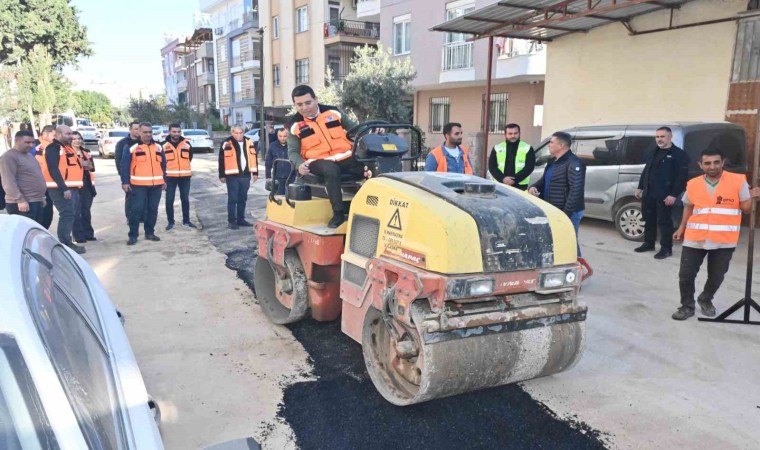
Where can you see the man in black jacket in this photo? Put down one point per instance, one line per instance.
(278, 149)
(124, 144)
(563, 181)
(663, 180)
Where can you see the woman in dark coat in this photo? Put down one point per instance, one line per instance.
(83, 230)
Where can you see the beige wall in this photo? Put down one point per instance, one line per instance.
(606, 76)
(466, 105)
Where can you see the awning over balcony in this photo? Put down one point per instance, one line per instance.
(545, 20)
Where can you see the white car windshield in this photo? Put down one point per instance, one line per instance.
(23, 423)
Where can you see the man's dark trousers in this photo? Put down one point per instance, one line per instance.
(47, 212)
(142, 197)
(34, 213)
(691, 260)
(330, 171)
(172, 183)
(237, 196)
(66, 212)
(657, 215)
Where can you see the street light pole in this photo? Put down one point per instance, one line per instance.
(263, 135)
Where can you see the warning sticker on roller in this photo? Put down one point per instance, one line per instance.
(395, 221)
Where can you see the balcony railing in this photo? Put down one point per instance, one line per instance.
(370, 30)
(457, 55)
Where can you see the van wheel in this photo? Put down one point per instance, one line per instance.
(629, 221)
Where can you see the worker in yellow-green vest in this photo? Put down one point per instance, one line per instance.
(512, 161)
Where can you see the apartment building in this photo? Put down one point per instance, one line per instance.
(189, 73)
(303, 39)
(451, 69)
(237, 51)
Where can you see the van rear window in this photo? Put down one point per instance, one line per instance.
(730, 142)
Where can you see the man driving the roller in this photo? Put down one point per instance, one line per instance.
(317, 144)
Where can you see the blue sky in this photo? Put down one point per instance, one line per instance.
(127, 37)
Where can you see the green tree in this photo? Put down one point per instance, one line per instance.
(94, 105)
(36, 91)
(152, 110)
(64, 95)
(54, 24)
(378, 86)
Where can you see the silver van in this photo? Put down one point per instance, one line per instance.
(615, 156)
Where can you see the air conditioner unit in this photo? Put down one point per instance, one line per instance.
(219, 31)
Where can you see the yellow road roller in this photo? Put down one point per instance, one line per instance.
(451, 283)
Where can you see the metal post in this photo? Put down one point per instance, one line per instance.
(487, 118)
(263, 135)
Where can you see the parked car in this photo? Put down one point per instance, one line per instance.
(253, 134)
(107, 144)
(162, 135)
(615, 156)
(90, 134)
(199, 140)
(68, 377)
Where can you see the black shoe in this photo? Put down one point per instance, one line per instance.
(683, 313)
(169, 227)
(663, 253)
(337, 220)
(244, 223)
(80, 241)
(152, 237)
(92, 238)
(77, 249)
(232, 225)
(189, 225)
(132, 241)
(707, 308)
(644, 248)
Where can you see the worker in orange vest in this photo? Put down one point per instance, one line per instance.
(47, 134)
(317, 144)
(451, 156)
(238, 166)
(179, 155)
(710, 226)
(64, 176)
(143, 172)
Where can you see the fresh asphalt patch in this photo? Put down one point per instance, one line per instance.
(340, 407)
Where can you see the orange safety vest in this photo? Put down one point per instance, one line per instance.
(145, 165)
(717, 217)
(231, 163)
(177, 159)
(86, 156)
(69, 165)
(323, 137)
(440, 159)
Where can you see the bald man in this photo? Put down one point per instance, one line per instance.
(63, 185)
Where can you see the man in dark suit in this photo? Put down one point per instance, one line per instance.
(663, 180)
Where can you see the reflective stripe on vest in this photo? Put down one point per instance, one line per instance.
(716, 217)
(231, 161)
(177, 159)
(145, 165)
(323, 137)
(522, 153)
(442, 165)
(69, 165)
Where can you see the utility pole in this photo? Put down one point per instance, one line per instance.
(263, 135)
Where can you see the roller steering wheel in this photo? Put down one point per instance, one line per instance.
(351, 132)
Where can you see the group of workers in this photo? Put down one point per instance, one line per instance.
(59, 172)
(56, 171)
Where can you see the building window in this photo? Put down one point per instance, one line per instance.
(223, 86)
(302, 71)
(223, 52)
(276, 74)
(276, 27)
(210, 63)
(439, 113)
(402, 38)
(238, 118)
(199, 68)
(302, 19)
(498, 115)
(457, 52)
(334, 12)
(235, 54)
(237, 87)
